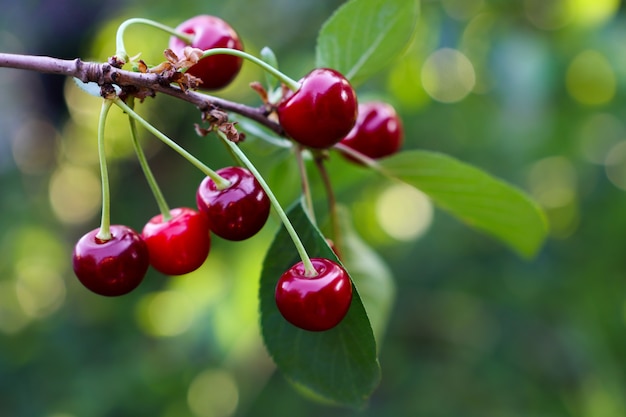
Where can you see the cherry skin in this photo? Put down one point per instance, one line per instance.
(315, 303)
(378, 131)
(112, 267)
(179, 245)
(237, 212)
(209, 32)
(321, 112)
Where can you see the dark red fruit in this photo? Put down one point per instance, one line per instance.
(378, 131)
(179, 245)
(322, 111)
(112, 267)
(237, 212)
(209, 32)
(315, 303)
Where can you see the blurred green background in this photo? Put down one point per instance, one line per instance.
(530, 90)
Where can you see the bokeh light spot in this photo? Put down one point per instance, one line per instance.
(553, 181)
(590, 79)
(213, 393)
(547, 14)
(166, 313)
(462, 9)
(404, 212)
(40, 289)
(448, 75)
(74, 194)
(598, 134)
(592, 12)
(615, 165)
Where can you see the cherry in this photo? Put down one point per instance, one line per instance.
(321, 112)
(179, 245)
(209, 32)
(111, 267)
(237, 212)
(314, 303)
(377, 133)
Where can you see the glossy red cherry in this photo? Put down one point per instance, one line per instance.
(378, 131)
(209, 32)
(179, 245)
(237, 212)
(315, 303)
(112, 267)
(322, 111)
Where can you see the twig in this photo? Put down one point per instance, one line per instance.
(105, 73)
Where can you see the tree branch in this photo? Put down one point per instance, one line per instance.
(105, 73)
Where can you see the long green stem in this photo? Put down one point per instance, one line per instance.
(364, 159)
(309, 269)
(304, 178)
(105, 223)
(220, 182)
(119, 37)
(143, 162)
(289, 82)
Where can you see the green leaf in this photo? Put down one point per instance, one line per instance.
(268, 56)
(364, 36)
(371, 275)
(481, 201)
(338, 365)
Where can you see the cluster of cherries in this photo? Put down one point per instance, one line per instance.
(322, 112)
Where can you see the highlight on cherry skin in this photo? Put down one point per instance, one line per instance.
(378, 131)
(111, 267)
(322, 111)
(314, 303)
(237, 212)
(208, 32)
(180, 244)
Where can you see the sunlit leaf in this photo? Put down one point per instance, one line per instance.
(365, 36)
(472, 195)
(338, 365)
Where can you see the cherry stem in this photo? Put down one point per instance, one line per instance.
(119, 37)
(364, 159)
(143, 162)
(304, 178)
(332, 202)
(289, 82)
(220, 182)
(309, 269)
(105, 223)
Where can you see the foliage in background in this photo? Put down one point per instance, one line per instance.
(475, 331)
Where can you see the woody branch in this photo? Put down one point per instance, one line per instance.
(107, 74)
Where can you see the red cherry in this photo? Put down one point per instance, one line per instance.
(237, 212)
(377, 133)
(209, 32)
(112, 267)
(314, 303)
(321, 112)
(179, 245)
